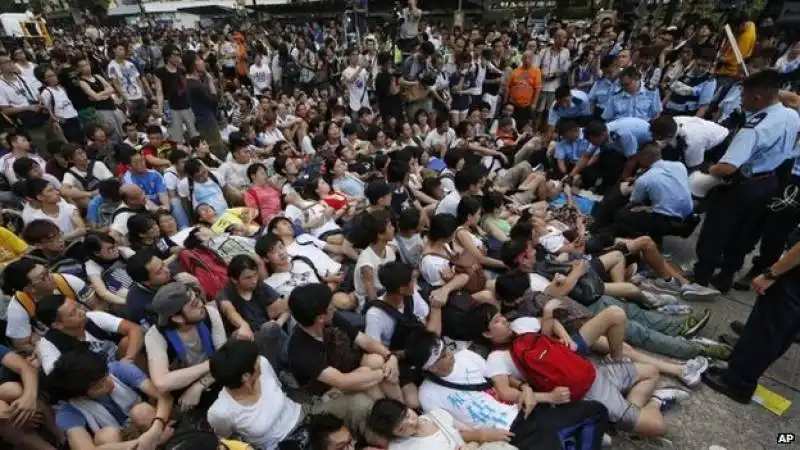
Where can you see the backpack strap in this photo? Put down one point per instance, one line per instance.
(101, 334)
(477, 387)
(309, 263)
(63, 286)
(394, 313)
(80, 177)
(175, 344)
(27, 303)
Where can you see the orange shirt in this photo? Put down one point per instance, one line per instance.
(523, 84)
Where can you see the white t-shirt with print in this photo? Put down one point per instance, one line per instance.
(310, 247)
(234, 174)
(358, 88)
(261, 77)
(285, 282)
(49, 353)
(128, 76)
(311, 213)
(56, 98)
(475, 409)
(553, 240)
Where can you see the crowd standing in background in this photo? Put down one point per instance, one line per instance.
(405, 236)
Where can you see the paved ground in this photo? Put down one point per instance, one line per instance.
(712, 419)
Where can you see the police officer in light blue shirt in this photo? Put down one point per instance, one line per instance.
(632, 99)
(569, 104)
(570, 146)
(692, 93)
(664, 186)
(736, 210)
(605, 86)
(614, 147)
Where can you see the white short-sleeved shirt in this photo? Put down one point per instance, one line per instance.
(99, 171)
(261, 77)
(63, 220)
(19, 322)
(538, 282)
(49, 354)
(120, 222)
(380, 325)
(701, 135)
(553, 240)
(449, 204)
(431, 267)
(368, 258)
(92, 268)
(128, 76)
(265, 423)
(172, 180)
(234, 174)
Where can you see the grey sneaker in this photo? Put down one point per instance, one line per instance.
(671, 286)
(693, 370)
(694, 291)
(671, 396)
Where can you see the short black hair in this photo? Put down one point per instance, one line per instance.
(386, 414)
(274, 223)
(511, 249)
(563, 126)
(397, 171)
(395, 275)
(253, 169)
(16, 275)
(23, 166)
(139, 224)
(595, 128)
(467, 177)
(266, 243)
(47, 308)
(109, 189)
(154, 129)
(442, 226)
(39, 231)
(232, 361)
(193, 167)
(136, 265)
(408, 219)
(176, 155)
(74, 373)
(239, 264)
(663, 127)
(36, 187)
(309, 302)
(631, 72)
(374, 224)
(419, 345)
(563, 91)
(467, 207)
(453, 156)
(320, 426)
(512, 285)
(767, 81)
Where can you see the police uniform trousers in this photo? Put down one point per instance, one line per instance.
(609, 168)
(778, 224)
(770, 330)
(734, 217)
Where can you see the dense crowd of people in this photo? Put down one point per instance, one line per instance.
(413, 236)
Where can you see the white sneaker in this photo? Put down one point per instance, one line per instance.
(659, 300)
(670, 396)
(693, 370)
(671, 286)
(607, 442)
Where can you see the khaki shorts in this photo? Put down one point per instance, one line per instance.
(612, 382)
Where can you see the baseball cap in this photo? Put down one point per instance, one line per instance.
(168, 301)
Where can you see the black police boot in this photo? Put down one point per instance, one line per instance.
(737, 326)
(722, 282)
(743, 283)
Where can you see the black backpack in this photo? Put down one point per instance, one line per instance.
(89, 182)
(291, 70)
(65, 343)
(405, 322)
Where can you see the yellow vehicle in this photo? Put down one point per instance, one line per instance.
(26, 26)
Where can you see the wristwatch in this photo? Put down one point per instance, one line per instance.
(769, 274)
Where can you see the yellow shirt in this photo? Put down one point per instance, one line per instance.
(234, 216)
(746, 42)
(235, 445)
(11, 246)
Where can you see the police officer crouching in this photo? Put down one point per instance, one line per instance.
(737, 208)
(773, 325)
(569, 104)
(692, 93)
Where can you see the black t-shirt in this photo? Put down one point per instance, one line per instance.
(492, 89)
(253, 311)
(173, 85)
(308, 357)
(388, 104)
(69, 78)
(367, 132)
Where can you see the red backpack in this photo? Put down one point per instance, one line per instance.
(548, 364)
(207, 267)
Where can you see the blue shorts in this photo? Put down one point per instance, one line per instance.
(583, 348)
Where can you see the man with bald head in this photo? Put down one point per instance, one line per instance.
(133, 201)
(523, 89)
(553, 62)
